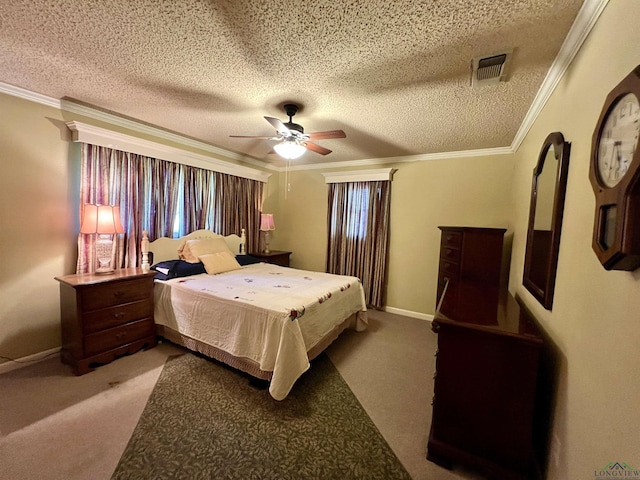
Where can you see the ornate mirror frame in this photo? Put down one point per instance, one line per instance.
(545, 218)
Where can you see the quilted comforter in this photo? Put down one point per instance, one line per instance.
(269, 314)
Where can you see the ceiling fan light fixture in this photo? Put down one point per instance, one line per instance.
(290, 149)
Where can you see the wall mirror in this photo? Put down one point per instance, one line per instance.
(545, 218)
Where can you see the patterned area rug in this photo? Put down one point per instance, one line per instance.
(206, 421)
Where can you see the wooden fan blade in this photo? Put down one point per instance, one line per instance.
(316, 148)
(327, 134)
(252, 136)
(278, 125)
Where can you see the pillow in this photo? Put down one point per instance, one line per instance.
(177, 268)
(219, 262)
(247, 259)
(192, 249)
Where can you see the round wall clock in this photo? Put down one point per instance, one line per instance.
(615, 177)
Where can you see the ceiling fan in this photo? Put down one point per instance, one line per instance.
(293, 141)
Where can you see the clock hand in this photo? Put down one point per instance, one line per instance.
(613, 153)
(617, 150)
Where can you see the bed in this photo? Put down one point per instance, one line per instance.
(266, 320)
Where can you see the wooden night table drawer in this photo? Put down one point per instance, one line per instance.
(113, 293)
(111, 338)
(98, 320)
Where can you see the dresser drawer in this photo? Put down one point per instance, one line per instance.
(451, 239)
(98, 320)
(449, 269)
(115, 293)
(115, 337)
(450, 253)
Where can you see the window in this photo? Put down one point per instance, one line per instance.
(355, 218)
(358, 234)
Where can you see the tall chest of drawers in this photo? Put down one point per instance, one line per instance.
(105, 316)
(470, 267)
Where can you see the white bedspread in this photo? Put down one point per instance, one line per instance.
(270, 314)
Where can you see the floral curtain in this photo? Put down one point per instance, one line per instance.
(358, 225)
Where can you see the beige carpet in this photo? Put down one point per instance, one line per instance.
(54, 425)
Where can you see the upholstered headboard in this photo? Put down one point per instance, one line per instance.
(167, 248)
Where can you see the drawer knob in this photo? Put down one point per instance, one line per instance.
(119, 294)
(119, 315)
(121, 335)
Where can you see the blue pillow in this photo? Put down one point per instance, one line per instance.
(177, 268)
(247, 259)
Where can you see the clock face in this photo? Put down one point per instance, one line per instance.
(618, 140)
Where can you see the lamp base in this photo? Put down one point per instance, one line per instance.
(266, 242)
(104, 252)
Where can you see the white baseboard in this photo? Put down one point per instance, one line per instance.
(10, 365)
(409, 313)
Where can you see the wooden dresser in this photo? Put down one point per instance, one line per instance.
(487, 364)
(105, 316)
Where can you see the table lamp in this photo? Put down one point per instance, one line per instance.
(103, 221)
(266, 225)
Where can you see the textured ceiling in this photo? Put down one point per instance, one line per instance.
(394, 75)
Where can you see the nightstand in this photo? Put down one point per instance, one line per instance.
(277, 257)
(105, 316)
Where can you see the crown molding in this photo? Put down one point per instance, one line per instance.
(584, 22)
(423, 157)
(380, 174)
(29, 95)
(81, 132)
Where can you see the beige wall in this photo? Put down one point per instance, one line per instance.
(424, 195)
(595, 321)
(300, 225)
(36, 224)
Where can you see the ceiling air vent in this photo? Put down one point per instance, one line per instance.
(489, 70)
